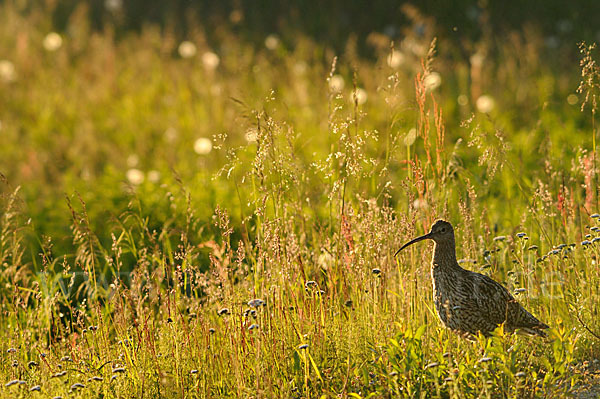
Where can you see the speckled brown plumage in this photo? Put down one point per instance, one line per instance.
(470, 302)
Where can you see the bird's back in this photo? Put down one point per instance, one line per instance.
(470, 302)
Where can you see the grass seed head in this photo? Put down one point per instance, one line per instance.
(255, 303)
(223, 312)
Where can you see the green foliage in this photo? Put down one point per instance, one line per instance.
(231, 214)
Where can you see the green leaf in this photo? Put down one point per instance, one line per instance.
(420, 331)
(312, 361)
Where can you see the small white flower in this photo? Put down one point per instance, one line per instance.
(210, 61)
(171, 134)
(203, 146)
(236, 16)
(7, 71)
(154, 176)
(432, 81)
(485, 104)
(251, 135)
(133, 160)
(135, 176)
(300, 68)
(414, 46)
(395, 59)
(462, 100)
(360, 95)
(113, 5)
(272, 42)
(52, 41)
(420, 204)
(477, 60)
(336, 83)
(187, 49)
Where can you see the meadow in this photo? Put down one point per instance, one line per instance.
(206, 216)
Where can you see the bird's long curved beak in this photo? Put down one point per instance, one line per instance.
(423, 237)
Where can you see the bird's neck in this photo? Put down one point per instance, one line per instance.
(444, 255)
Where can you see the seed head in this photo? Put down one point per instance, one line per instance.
(11, 383)
(222, 312)
(255, 303)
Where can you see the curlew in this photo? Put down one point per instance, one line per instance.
(469, 302)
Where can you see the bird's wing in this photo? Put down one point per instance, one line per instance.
(493, 300)
(500, 306)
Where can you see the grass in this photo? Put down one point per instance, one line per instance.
(261, 264)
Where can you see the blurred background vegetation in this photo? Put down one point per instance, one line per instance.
(113, 98)
(164, 165)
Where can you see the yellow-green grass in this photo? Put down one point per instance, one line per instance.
(146, 284)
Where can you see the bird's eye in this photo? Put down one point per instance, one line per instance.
(443, 230)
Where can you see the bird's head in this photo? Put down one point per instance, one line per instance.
(441, 232)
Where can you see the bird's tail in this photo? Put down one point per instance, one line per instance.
(535, 330)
